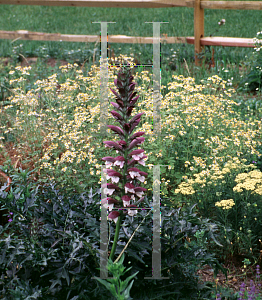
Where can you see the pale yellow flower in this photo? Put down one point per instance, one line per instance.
(225, 204)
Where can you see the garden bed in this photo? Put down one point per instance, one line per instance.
(189, 149)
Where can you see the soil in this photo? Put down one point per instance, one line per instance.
(234, 277)
(28, 61)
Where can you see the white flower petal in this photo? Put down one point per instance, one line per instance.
(109, 164)
(138, 156)
(109, 191)
(134, 174)
(139, 194)
(110, 206)
(141, 162)
(119, 163)
(141, 178)
(114, 179)
(132, 212)
(129, 190)
(126, 203)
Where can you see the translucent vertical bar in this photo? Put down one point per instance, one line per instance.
(103, 131)
(103, 80)
(156, 78)
(103, 230)
(156, 258)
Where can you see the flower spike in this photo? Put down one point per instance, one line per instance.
(119, 169)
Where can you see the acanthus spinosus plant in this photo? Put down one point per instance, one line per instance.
(125, 178)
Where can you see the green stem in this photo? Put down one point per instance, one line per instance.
(119, 256)
(113, 250)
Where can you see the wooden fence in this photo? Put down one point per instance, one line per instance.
(198, 40)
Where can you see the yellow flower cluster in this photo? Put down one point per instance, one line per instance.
(185, 189)
(214, 175)
(225, 204)
(251, 181)
(201, 113)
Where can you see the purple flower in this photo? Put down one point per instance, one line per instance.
(139, 191)
(114, 216)
(119, 161)
(242, 291)
(110, 188)
(10, 217)
(109, 161)
(257, 272)
(132, 210)
(129, 187)
(109, 203)
(126, 176)
(136, 173)
(126, 200)
(135, 142)
(113, 175)
(135, 135)
(137, 154)
(252, 292)
(116, 105)
(117, 116)
(110, 144)
(117, 129)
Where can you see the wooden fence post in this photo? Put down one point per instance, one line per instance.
(198, 30)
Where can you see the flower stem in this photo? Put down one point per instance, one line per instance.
(113, 250)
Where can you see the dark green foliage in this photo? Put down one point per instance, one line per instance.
(55, 243)
(180, 257)
(253, 81)
(52, 248)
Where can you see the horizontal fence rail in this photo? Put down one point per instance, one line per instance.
(123, 39)
(223, 41)
(101, 3)
(256, 5)
(252, 5)
(40, 36)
